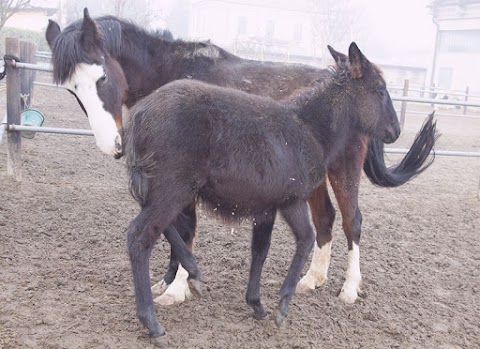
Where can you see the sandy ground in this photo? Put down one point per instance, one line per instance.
(65, 279)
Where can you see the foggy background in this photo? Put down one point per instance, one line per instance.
(400, 36)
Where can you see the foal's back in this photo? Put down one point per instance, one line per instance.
(239, 152)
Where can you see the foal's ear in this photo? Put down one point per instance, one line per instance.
(52, 32)
(339, 58)
(90, 37)
(359, 64)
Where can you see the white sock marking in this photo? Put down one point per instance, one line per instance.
(317, 273)
(177, 291)
(353, 277)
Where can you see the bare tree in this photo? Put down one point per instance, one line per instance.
(334, 23)
(119, 7)
(9, 7)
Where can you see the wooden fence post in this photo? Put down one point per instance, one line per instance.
(27, 76)
(404, 104)
(466, 100)
(14, 140)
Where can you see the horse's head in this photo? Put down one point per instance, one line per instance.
(373, 107)
(83, 65)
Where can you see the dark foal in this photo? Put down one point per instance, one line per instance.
(244, 156)
(108, 63)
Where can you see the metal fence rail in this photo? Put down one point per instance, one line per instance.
(46, 67)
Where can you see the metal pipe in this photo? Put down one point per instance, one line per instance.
(67, 131)
(436, 152)
(3, 127)
(40, 67)
(434, 101)
(47, 84)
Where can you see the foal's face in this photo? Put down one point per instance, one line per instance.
(100, 90)
(376, 112)
(372, 107)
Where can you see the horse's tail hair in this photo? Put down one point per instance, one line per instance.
(138, 184)
(140, 166)
(417, 159)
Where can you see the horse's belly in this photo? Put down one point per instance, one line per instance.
(253, 195)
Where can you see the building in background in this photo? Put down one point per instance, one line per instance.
(457, 49)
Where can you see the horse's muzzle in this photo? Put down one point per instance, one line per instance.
(118, 152)
(392, 134)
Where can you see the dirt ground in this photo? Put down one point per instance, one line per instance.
(65, 279)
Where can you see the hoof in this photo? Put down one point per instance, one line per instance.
(159, 288)
(196, 286)
(159, 342)
(176, 293)
(349, 294)
(260, 314)
(279, 319)
(309, 283)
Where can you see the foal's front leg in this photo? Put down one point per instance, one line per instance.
(261, 237)
(141, 237)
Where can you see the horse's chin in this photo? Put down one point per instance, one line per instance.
(117, 156)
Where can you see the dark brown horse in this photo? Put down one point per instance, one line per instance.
(244, 155)
(109, 62)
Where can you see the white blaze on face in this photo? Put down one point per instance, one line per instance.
(84, 84)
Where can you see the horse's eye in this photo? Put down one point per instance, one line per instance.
(103, 78)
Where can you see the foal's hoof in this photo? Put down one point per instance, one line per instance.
(196, 286)
(279, 319)
(159, 342)
(260, 314)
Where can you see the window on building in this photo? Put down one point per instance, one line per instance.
(445, 75)
(242, 25)
(464, 41)
(270, 31)
(297, 33)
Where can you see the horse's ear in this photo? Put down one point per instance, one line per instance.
(90, 37)
(339, 58)
(52, 32)
(359, 64)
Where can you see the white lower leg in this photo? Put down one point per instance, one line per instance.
(317, 273)
(353, 277)
(177, 291)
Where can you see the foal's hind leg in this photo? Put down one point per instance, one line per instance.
(261, 237)
(174, 286)
(323, 215)
(297, 218)
(345, 180)
(186, 257)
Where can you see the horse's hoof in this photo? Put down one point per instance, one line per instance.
(260, 314)
(159, 288)
(348, 294)
(196, 286)
(159, 342)
(309, 283)
(279, 319)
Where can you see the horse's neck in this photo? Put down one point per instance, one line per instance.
(154, 62)
(322, 110)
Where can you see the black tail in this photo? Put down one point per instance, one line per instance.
(416, 161)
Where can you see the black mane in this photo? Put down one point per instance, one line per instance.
(67, 52)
